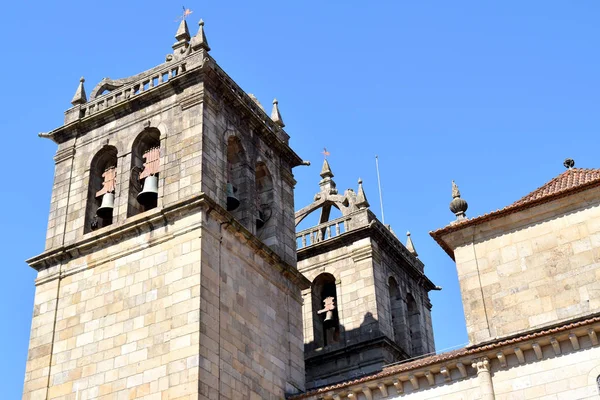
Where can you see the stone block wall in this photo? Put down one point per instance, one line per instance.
(180, 171)
(120, 323)
(529, 269)
(413, 335)
(223, 122)
(250, 324)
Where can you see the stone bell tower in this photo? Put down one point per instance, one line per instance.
(368, 302)
(170, 265)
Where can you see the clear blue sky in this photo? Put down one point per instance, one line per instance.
(494, 96)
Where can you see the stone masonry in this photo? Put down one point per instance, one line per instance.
(374, 276)
(183, 300)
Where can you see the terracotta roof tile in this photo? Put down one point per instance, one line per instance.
(453, 355)
(571, 181)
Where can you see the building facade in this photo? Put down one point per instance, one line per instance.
(170, 265)
(528, 276)
(173, 270)
(368, 303)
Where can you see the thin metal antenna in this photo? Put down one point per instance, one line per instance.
(380, 193)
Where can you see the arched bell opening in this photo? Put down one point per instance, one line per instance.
(145, 167)
(264, 195)
(101, 189)
(326, 324)
(397, 313)
(235, 186)
(414, 326)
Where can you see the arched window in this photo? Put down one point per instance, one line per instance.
(326, 322)
(145, 167)
(101, 189)
(264, 195)
(397, 313)
(598, 382)
(414, 326)
(236, 187)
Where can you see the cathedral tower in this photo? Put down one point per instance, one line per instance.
(164, 275)
(368, 303)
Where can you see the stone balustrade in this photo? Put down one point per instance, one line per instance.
(132, 89)
(322, 232)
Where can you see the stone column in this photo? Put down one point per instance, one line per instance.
(486, 388)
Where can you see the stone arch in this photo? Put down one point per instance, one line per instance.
(414, 325)
(236, 174)
(264, 194)
(323, 204)
(397, 312)
(147, 140)
(101, 164)
(326, 324)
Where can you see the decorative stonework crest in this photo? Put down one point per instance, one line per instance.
(152, 163)
(108, 185)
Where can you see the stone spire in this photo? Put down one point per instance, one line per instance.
(458, 206)
(199, 41)
(361, 197)
(80, 97)
(410, 246)
(276, 115)
(326, 170)
(182, 36)
(327, 184)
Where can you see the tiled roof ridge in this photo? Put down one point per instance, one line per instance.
(436, 358)
(539, 192)
(580, 179)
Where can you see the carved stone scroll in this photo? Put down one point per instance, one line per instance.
(152, 163)
(108, 185)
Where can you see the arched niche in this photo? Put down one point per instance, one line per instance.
(415, 331)
(236, 174)
(264, 195)
(397, 312)
(326, 323)
(145, 145)
(102, 168)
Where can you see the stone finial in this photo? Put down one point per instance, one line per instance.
(361, 197)
(199, 41)
(276, 115)
(182, 36)
(80, 97)
(326, 170)
(458, 206)
(569, 163)
(410, 246)
(327, 184)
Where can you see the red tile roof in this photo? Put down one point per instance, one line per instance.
(568, 180)
(454, 355)
(571, 181)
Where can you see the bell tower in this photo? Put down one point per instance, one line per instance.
(169, 269)
(368, 302)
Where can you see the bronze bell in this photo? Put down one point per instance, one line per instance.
(232, 201)
(260, 220)
(149, 192)
(106, 207)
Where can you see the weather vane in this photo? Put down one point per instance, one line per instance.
(186, 13)
(325, 152)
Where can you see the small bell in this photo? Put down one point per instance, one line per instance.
(232, 201)
(149, 193)
(260, 220)
(106, 207)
